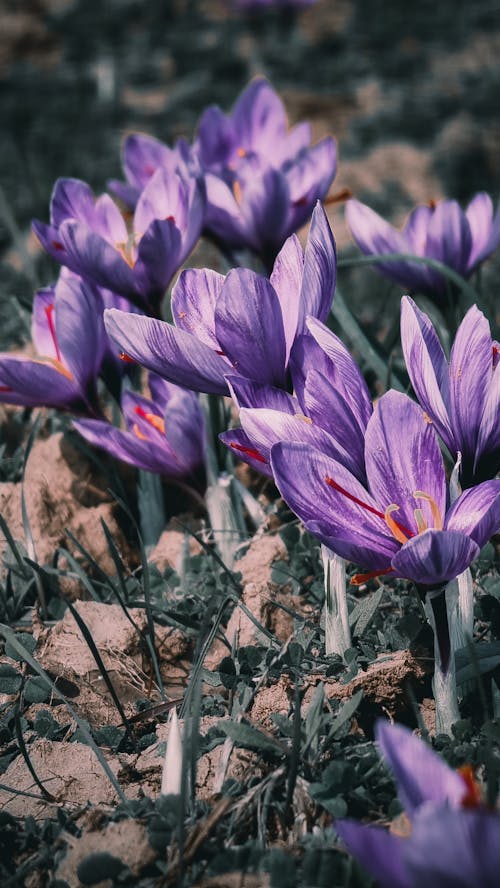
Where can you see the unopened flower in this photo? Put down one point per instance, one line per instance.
(442, 231)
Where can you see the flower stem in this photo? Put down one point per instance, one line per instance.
(337, 631)
(440, 608)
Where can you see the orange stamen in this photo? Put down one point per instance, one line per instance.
(156, 421)
(136, 430)
(436, 514)
(392, 524)
(241, 152)
(472, 797)
(338, 197)
(238, 194)
(419, 518)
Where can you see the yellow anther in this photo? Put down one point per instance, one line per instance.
(136, 430)
(303, 418)
(419, 518)
(436, 514)
(156, 421)
(241, 152)
(392, 524)
(238, 194)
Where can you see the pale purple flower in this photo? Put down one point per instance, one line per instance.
(442, 231)
(462, 396)
(142, 156)
(91, 238)
(163, 434)
(455, 838)
(243, 323)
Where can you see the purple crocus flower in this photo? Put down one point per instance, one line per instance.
(243, 323)
(461, 397)
(398, 524)
(142, 156)
(455, 838)
(69, 337)
(442, 231)
(324, 374)
(163, 434)
(90, 236)
(262, 179)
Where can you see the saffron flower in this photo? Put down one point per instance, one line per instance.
(142, 156)
(70, 341)
(442, 231)
(90, 237)
(330, 409)
(454, 838)
(243, 323)
(461, 397)
(164, 434)
(262, 178)
(399, 523)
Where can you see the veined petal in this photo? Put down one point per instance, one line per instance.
(488, 439)
(216, 137)
(265, 200)
(168, 351)
(71, 199)
(91, 256)
(127, 446)
(247, 393)
(158, 258)
(476, 512)
(185, 431)
(259, 117)
(353, 544)
(479, 215)
(470, 376)
(380, 852)
(449, 236)
(286, 279)
(164, 197)
(249, 326)
(36, 382)
(141, 157)
(427, 368)
(320, 269)
(328, 409)
(398, 465)
(374, 236)
(79, 328)
(244, 449)
(309, 177)
(194, 297)
(43, 332)
(420, 774)
(435, 556)
(307, 355)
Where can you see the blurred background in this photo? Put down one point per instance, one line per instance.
(410, 91)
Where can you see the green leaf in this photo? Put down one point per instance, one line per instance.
(362, 615)
(36, 690)
(227, 672)
(248, 736)
(10, 679)
(487, 658)
(345, 713)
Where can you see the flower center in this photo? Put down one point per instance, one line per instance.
(401, 533)
(126, 249)
(156, 421)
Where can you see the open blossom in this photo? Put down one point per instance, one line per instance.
(454, 840)
(399, 523)
(142, 156)
(462, 396)
(442, 231)
(330, 408)
(243, 323)
(163, 434)
(91, 238)
(262, 178)
(69, 338)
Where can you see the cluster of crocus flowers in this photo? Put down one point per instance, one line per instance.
(163, 434)
(454, 836)
(440, 230)
(244, 322)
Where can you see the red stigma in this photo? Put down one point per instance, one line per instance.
(249, 452)
(126, 358)
(472, 796)
(5, 388)
(170, 219)
(354, 499)
(49, 312)
(58, 245)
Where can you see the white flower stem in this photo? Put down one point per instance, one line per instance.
(337, 631)
(224, 518)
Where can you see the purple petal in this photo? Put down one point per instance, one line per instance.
(185, 431)
(247, 393)
(35, 382)
(259, 118)
(479, 215)
(338, 420)
(43, 323)
(168, 351)
(415, 229)
(435, 556)
(127, 446)
(309, 177)
(216, 137)
(71, 199)
(427, 367)
(249, 327)
(286, 279)
(164, 197)
(296, 140)
(398, 465)
(476, 512)
(79, 328)
(158, 258)
(488, 439)
(224, 217)
(108, 221)
(320, 270)
(194, 298)
(420, 774)
(470, 376)
(141, 157)
(265, 200)
(244, 449)
(374, 236)
(380, 852)
(449, 236)
(89, 255)
(307, 355)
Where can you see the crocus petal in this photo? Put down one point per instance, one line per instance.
(317, 487)
(286, 279)
(320, 269)
(427, 367)
(435, 556)
(194, 297)
(449, 236)
(164, 197)
(127, 446)
(307, 355)
(158, 258)
(415, 229)
(488, 439)
(470, 375)
(43, 323)
(35, 382)
(374, 236)
(244, 449)
(265, 200)
(216, 137)
(166, 350)
(476, 512)
(184, 431)
(247, 393)
(141, 157)
(398, 465)
(479, 215)
(71, 199)
(79, 328)
(296, 139)
(380, 852)
(351, 545)
(259, 117)
(338, 420)
(249, 326)
(309, 177)
(89, 255)
(421, 775)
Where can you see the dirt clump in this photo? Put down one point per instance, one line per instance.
(126, 840)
